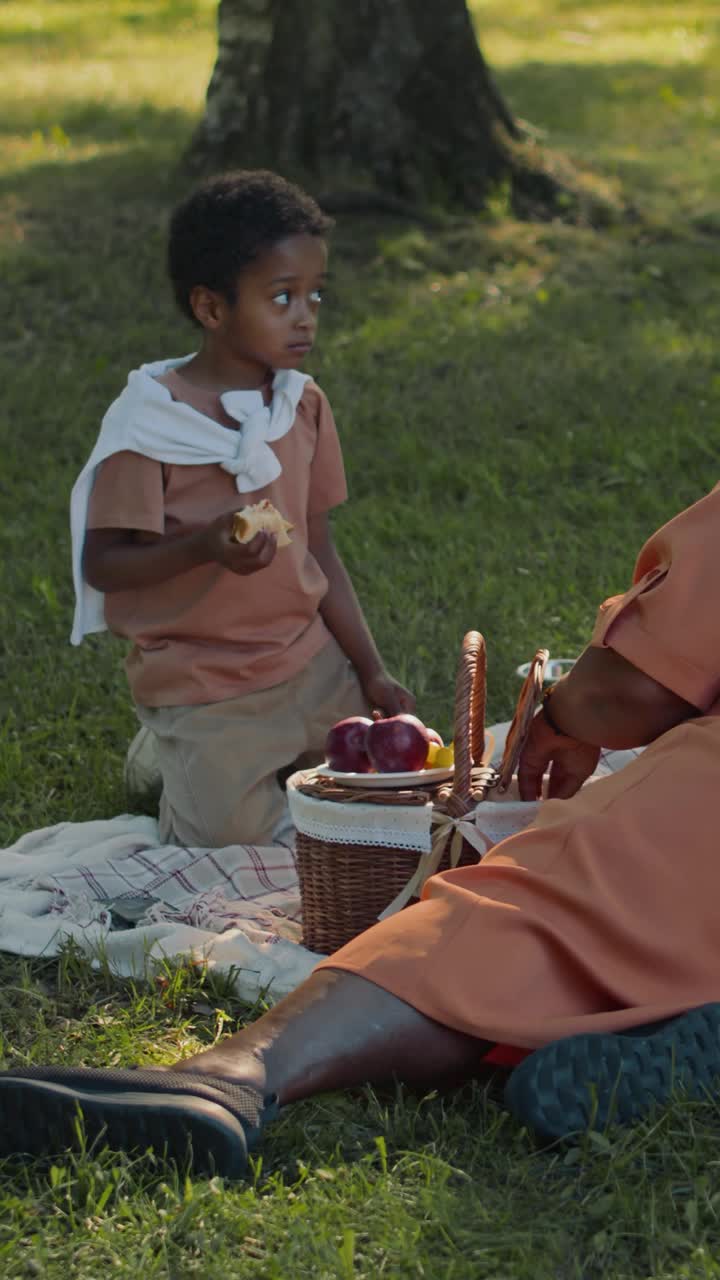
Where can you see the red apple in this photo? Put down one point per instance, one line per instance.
(345, 746)
(434, 736)
(398, 744)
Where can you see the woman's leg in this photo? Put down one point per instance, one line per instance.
(336, 1031)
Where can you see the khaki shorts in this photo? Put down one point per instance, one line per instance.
(220, 760)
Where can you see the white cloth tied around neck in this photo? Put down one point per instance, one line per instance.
(255, 464)
(145, 419)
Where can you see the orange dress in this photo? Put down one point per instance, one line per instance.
(605, 913)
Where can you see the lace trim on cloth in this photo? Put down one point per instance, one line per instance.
(401, 826)
(393, 827)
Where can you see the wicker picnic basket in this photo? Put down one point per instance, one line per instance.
(346, 887)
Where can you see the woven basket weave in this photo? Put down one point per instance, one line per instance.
(344, 888)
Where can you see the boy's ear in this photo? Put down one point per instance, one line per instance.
(207, 306)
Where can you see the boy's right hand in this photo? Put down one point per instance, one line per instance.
(238, 557)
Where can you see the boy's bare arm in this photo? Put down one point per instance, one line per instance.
(344, 617)
(122, 559)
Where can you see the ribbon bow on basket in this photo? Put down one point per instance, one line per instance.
(455, 835)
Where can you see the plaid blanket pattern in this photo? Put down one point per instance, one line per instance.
(236, 908)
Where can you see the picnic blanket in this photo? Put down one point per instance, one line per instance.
(236, 909)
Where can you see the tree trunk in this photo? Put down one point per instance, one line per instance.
(386, 95)
(372, 102)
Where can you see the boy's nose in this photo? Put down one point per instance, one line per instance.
(304, 316)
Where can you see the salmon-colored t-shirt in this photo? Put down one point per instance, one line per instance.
(208, 634)
(668, 623)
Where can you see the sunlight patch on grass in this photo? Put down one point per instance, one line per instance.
(90, 21)
(660, 34)
(45, 90)
(620, 87)
(93, 77)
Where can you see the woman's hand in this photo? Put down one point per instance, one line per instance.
(386, 694)
(606, 701)
(571, 762)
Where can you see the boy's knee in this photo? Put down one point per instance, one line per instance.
(260, 817)
(141, 771)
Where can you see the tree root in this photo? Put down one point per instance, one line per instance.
(371, 200)
(546, 187)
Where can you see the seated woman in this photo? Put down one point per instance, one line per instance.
(581, 939)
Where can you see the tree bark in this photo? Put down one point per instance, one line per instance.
(366, 100)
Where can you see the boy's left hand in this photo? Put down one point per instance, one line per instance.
(387, 695)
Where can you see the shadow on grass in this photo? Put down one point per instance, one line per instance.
(583, 97)
(145, 171)
(520, 406)
(89, 284)
(558, 95)
(96, 120)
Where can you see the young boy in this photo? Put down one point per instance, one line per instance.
(243, 654)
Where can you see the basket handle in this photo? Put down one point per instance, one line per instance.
(527, 703)
(469, 721)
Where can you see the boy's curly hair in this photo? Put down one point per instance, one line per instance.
(227, 222)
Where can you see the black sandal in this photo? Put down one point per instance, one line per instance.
(181, 1116)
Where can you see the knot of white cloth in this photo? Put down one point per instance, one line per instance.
(145, 419)
(254, 464)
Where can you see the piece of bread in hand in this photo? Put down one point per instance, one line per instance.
(261, 516)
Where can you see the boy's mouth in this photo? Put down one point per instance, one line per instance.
(300, 348)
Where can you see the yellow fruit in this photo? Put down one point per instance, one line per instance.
(433, 748)
(444, 757)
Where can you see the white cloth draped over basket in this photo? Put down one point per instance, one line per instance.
(412, 826)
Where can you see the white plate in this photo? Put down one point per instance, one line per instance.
(555, 668)
(366, 780)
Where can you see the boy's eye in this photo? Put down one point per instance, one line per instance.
(283, 298)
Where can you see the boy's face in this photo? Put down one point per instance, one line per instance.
(273, 320)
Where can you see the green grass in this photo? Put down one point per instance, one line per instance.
(533, 401)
